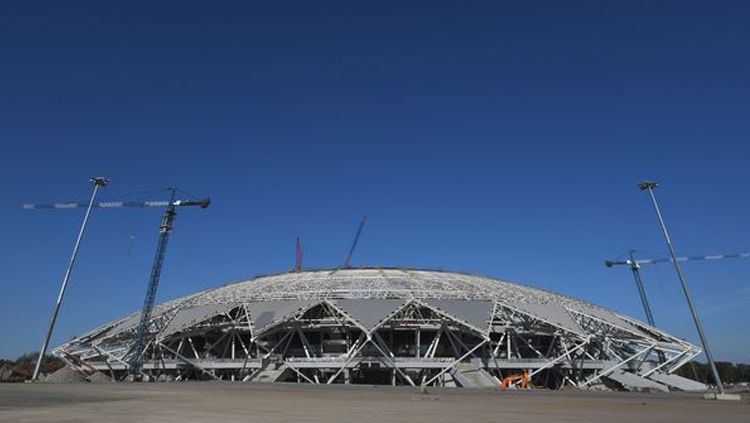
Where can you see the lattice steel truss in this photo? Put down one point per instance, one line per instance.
(388, 326)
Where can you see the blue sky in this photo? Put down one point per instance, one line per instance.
(502, 138)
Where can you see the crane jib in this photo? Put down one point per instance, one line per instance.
(117, 204)
(637, 262)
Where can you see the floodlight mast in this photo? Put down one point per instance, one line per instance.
(650, 187)
(97, 181)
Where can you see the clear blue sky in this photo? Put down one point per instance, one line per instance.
(502, 138)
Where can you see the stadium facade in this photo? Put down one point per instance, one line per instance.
(393, 326)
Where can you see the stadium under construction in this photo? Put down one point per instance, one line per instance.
(393, 326)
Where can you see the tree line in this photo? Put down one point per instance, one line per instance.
(22, 368)
(728, 372)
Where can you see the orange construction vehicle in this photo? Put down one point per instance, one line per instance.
(522, 379)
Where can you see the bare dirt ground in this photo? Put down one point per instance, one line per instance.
(236, 402)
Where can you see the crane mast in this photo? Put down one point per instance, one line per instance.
(636, 269)
(165, 228)
(298, 256)
(347, 262)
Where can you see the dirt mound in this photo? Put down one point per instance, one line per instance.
(65, 375)
(99, 377)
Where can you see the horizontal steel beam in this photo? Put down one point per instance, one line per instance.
(362, 362)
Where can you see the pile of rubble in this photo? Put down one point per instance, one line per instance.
(6, 373)
(99, 377)
(65, 375)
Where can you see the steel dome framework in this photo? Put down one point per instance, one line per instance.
(388, 326)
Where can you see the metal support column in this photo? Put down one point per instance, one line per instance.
(98, 182)
(650, 186)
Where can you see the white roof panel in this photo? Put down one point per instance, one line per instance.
(612, 319)
(371, 294)
(267, 313)
(553, 314)
(189, 316)
(474, 313)
(370, 313)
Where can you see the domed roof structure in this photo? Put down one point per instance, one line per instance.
(388, 325)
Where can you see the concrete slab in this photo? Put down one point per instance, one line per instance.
(723, 397)
(242, 402)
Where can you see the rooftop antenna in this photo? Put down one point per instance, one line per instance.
(298, 256)
(347, 263)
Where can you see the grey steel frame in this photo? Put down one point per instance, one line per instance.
(417, 342)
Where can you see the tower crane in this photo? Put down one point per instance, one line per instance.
(635, 266)
(347, 262)
(298, 256)
(165, 228)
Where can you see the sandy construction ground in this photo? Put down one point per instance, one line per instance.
(236, 402)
